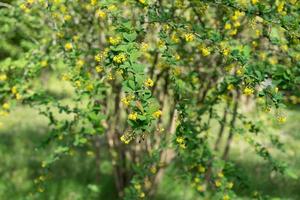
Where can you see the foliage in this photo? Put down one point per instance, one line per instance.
(149, 78)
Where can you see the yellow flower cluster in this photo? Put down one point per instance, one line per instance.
(201, 188)
(26, 5)
(201, 169)
(120, 58)
(6, 106)
(280, 7)
(68, 46)
(226, 197)
(133, 116)
(100, 14)
(149, 82)
(99, 68)
(3, 77)
(254, 1)
(79, 63)
(142, 1)
(126, 100)
(180, 140)
(281, 119)
(126, 138)
(189, 37)
(153, 169)
(114, 40)
(237, 15)
(230, 87)
(204, 50)
(15, 92)
(144, 46)
(229, 185)
(174, 38)
(157, 114)
(248, 91)
(89, 87)
(218, 183)
(44, 63)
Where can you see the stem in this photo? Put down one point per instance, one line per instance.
(222, 127)
(232, 126)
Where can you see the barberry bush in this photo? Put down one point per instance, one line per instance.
(154, 83)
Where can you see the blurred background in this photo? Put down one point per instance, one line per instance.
(24, 130)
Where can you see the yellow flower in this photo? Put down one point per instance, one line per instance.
(180, 140)
(18, 96)
(153, 170)
(230, 87)
(227, 26)
(201, 169)
(205, 51)
(161, 44)
(98, 57)
(65, 77)
(142, 1)
(80, 63)
(226, 197)
(126, 138)
(237, 24)
(157, 114)
(123, 139)
(67, 17)
(218, 183)
(133, 116)
(248, 91)
(233, 32)
(3, 77)
(6, 106)
(144, 46)
(137, 186)
(125, 101)
(254, 1)
(230, 185)
(281, 119)
(77, 83)
(110, 76)
(177, 57)
(44, 63)
(189, 37)
(197, 180)
(174, 38)
(149, 82)
(93, 2)
(14, 90)
(257, 33)
(142, 195)
(280, 6)
(201, 188)
(220, 174)
(176, 71)
(30, 1)
(24, 8)
(68, 46)
(114, 40)
(99, 68)
(100, 14)
(90, 87)
(112, 8)
(225, 51)
(239, 71)
(119, 58)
